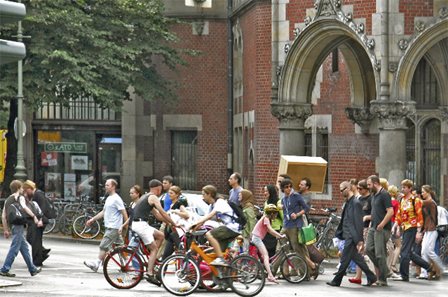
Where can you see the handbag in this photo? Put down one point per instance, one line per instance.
(315, 255)
(307, 235)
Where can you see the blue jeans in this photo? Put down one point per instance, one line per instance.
(408, 253)
(134, 244)
(18, 244)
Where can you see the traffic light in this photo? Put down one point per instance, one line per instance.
(11, 51)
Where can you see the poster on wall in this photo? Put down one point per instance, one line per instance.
(80, 162)
(69, 191)
(53, 185)
(69, 177)
(49, 159)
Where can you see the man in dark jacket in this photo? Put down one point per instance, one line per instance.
(34, 233)
(350, 228)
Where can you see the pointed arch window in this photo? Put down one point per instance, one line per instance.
(425, 90)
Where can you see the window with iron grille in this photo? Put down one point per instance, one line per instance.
(425, 90)
(184, 159)
(411, 169)
(431, 150)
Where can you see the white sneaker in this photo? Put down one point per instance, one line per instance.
(91, 265)
(219, 262)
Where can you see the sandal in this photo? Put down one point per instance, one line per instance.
(421, 277)
(434, 278)
(378, 285)
(273, 280)
(394, 269)
(315, 271)
(152, 279)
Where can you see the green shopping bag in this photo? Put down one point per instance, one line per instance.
(307, 235)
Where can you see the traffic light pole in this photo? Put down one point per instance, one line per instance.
(20, 168)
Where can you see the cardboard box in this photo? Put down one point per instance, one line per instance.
(298, 167)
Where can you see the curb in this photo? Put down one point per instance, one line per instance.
(5, 283)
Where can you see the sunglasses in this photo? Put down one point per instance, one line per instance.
(287, 187)
(343, 189)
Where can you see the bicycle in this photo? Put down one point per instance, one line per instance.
(80, 228)
(119, 264)
(325, 240)
(181, 275)
(292, 266)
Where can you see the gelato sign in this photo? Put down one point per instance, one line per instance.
(66, 147)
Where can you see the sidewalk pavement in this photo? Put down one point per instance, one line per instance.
(7, 283)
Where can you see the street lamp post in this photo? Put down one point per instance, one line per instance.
(20, 168)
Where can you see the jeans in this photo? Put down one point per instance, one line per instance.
(407, 253)
(18, 244)
(134, 244)
(376, 250)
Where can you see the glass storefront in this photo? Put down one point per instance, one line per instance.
(72, 164)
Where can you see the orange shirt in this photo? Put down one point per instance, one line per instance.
(407, 216)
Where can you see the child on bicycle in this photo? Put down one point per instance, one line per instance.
(220, 237)
(260, 230)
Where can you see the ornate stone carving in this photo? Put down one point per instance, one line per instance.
(443, 12)
(403, 44)
(278, 71)
(291, 115)
(286, 48)
(392, 114)
(360, 116)
(443, 111)
(377, 64)
(307, 20)
(348, 17)
(419, 26)
(393, 66)
(360, 28)
(337, 3)
(324, 7)
(199, 26)
(370, 43)
(296, 32)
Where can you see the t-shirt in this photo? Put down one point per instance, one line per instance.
(233, 195)
(380, 203)
(293, 203)
(307, 198)
(261, 228)
(166, 202)
(395, 205)
(225, 214)
(10, 200)
(113, 218)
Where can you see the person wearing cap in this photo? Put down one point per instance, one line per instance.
(34, 233)
(151, 237)
(114, 213)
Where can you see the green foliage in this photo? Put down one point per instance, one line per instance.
(95, 49)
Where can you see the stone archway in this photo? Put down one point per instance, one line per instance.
(305, 55)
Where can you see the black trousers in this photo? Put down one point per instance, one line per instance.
(350, 253)
(34, 236)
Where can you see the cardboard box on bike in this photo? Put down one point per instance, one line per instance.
(298, 167)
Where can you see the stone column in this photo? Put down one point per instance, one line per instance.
(292, 116)
(392, 147)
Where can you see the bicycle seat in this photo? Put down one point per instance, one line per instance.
(315, 220)
(332, 209)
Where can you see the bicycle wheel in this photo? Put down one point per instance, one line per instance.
(330, 250)
(179, 276)
(206, 276)
(294, 268)
(118, 269)
(81, 229)
(247, 275)
(50, 226)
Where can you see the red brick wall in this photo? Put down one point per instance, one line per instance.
(205, 93)
(350, 155)
(257, 56)
(415, 8)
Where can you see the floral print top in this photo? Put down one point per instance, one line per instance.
(407, 216)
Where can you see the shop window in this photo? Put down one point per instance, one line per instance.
(184, 159)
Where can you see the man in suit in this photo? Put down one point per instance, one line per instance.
(350, 228)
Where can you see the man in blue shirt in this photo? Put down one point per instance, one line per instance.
(234, 182)
(167, 183)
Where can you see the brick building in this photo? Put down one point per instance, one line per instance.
(362, 83)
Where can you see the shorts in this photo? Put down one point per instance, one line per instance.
(110, 236)
(394, 235)
(223, 235)
(144, 231)
(257, 241)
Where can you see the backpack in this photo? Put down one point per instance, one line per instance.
(16, 215)
(240, 218)
(50, 210)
